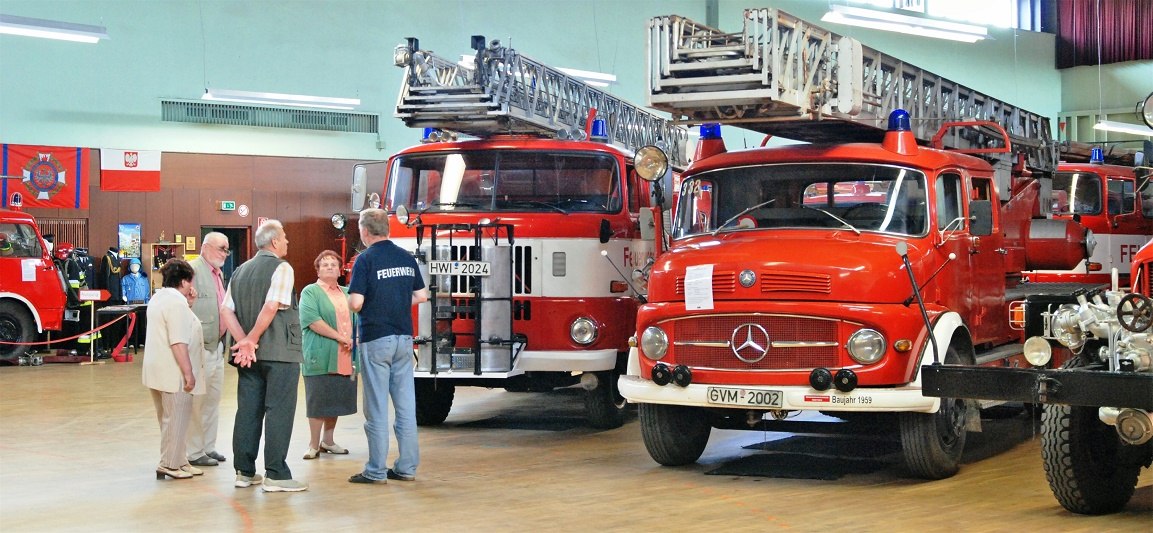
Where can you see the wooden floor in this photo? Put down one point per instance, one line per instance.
(78, 445)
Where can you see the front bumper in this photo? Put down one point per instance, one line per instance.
(894, 399)
(1094, 388)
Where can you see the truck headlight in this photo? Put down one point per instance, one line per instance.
(866, 346)
(1037, 351)
(654, 343)
(583, 331)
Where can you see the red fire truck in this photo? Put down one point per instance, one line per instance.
(820, 277)
(33, 293)
(1113, 201)
(529, 234)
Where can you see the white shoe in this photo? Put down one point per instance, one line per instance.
(284, 485)
(243, 481)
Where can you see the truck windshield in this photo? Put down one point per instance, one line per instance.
(851, 196)
(505, 180)
(1076, 193)
(19, 240)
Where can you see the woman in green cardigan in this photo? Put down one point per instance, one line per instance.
(329, 367)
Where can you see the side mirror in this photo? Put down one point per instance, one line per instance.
(359, 187)
(651, 163)
(981, 217)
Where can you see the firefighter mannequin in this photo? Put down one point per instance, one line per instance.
(134, 287)
(110, 273)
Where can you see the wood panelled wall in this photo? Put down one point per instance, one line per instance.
(301, 193)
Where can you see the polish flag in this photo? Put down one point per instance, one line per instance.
(129, 170)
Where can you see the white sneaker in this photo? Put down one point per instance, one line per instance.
(284, 485)
(243, 481)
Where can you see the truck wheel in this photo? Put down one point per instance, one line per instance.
(433, 401)
(15, 326)
(604, 405)
(1085, 461)
(674, 435)
(932, 443)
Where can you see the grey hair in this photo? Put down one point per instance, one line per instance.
(271, 229)
(213, 237)
(375, 222)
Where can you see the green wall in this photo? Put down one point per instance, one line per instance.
(108, 95)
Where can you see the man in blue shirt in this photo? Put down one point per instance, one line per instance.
(385, 285)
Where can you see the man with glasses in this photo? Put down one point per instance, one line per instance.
(209, 283)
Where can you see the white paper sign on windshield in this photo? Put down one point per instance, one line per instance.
(699, 287)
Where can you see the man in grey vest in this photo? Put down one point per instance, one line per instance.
(260, 311)
(209, 283)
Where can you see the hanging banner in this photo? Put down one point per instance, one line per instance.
(129, 170)
(48, 176)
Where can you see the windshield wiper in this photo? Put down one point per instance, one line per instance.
(835, 217)
(535, 203)
(454, 204)
(741, 214)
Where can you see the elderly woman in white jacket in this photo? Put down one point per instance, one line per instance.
(173, 364)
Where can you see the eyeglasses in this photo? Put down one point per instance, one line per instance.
(222, 248)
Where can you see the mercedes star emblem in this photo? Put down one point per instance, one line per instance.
(750, 342)
(748, 278)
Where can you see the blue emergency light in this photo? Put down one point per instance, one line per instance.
(710, 131)
(899, 120)
(600, 130)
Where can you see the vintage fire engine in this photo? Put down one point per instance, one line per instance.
(821, 277)
(1097, 419)
(33, 292)
(1116, 203)
(529, 235)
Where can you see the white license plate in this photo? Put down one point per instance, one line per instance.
(459, 268)
(750, 397)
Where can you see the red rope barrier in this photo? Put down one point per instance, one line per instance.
(54, 341)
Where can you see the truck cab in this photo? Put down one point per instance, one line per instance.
(33, 296)
(1116, 204)
(527, 244)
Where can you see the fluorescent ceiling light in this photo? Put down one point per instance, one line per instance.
(889, 21)
(51, 29)
(596, 79)
(299, 100)
(1123, 127)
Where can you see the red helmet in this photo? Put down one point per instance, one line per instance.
(63, 250)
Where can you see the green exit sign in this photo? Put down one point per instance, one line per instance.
(227, 205)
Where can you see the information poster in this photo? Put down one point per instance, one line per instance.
(129, 240)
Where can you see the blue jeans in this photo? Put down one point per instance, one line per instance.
(386, 368)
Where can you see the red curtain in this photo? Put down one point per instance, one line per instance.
(1124, 26)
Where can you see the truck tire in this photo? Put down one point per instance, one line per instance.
(1089, 469)
(16, 325)
(674, 435)
(604, 405)
(433, 401)
(932, 443)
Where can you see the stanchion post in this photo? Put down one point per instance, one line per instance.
(92, 296)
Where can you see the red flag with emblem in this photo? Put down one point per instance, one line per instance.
(47, 176)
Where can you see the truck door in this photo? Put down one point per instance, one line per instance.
(954, 286)
(987, 269)
(1130, 222)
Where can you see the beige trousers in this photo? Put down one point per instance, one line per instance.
(173, 409)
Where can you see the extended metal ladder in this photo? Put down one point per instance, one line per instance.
(505, 92)
(782, 76)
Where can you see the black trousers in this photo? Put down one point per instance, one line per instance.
(265, 401)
